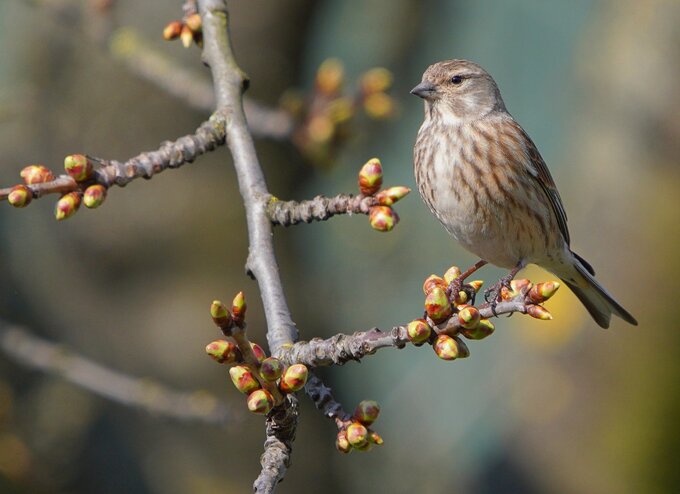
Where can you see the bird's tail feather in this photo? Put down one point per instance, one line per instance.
(596, 299)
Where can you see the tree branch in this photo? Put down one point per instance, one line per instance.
(320, 208)
(34, 352)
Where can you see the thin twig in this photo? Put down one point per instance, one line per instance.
(145, 394)
(318, 209)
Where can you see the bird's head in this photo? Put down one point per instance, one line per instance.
(459, 89)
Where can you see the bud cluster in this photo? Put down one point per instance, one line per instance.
(189, 30)
(381, 216)
(533, 295)
(262, 378)
(355, 432)
(325, 115)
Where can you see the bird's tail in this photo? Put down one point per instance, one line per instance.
(596, 299)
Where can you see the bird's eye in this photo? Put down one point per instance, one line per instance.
(456, 79)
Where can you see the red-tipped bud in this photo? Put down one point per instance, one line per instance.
(172, 30)
(389, 196)
(483, 329)
(243, 379)
(433, 281)
(238, 308)
(220, 315)
(379, 106)
(20, 196)
(357, 435)
(543, 291)
(437, 305)
(476, 285)
(186, 35)
(461, 298)
(366, 412)
(469, 317)
(78, 167)
(383, 218)
(463, 350)
(519, 285)
(445, 347)
(194, 22)
(223, 351)
(94, 196)
(539, 312)
(418, 331)
(377, 80)
(36, 174)
(330, 76)
(370, 177)
(271, 369)
(260, 401)
(294, 378)
(375, 438)
(451, 274)
(341, 442)
(259, 352)
(67, 205)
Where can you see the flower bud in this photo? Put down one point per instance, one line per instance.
(366, 447)
(341, 442)
(389, 196)
(445, 347)
(481, 331)
(357, 435)
(260, 401)
(243, 379)
(468, 317)
(539, 312)
(463, 350)
(330, 76)
(383, 218)
(78, 167)
(67, 205)
(223, 351)
(418, 331)
(437, 305)
(377, 80)
(320, 129)
(94, 196)
(294, 378)
(36, 174)
(543, 291)
(220, 315)
(366, 412)
(194, 22)
(186, 35)
(238, 308)
(370, 177)
(461, 298)
(451, 274)
(271, 369)
(172, 30)
(476, 285)
(20, 196)
(433, 281)
(260, 354)
(375, 438)
(379, 106)
(519, 285)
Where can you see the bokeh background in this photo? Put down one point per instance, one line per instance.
(559, 407)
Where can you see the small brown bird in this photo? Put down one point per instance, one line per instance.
(481, 175)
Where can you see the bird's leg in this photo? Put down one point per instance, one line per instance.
(457, 284)
(492, 295)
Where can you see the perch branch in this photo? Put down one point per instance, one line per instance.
(318, 209)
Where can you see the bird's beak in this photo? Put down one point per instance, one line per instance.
(424, 90)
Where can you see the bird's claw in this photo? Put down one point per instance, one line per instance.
(457, 286)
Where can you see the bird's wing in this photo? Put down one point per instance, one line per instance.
(539, 170)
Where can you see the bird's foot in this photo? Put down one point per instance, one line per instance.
(457, 286)
(492, 295)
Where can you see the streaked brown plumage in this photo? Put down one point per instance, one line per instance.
(484, 179)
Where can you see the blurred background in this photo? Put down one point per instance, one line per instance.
(559, 407)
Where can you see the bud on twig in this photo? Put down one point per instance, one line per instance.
(418, 331)
(366, 412)
(383, 218)
(238, 308)
(370, 177)
(78, 167)
(379, 106)
(341, 442)
(260, 354)
(94, 196)
(36, 174)
(194, 22)
(357, 435)
(329, 77)
(539, 312)
(376, 80)
(543, 291)
(437, 305)
(463, 350)
(445, 347)
(271, 369)
(243, 379)
(67, 205)
(481, 331)
(294, 378)
(260, 401)
(223, 351)
(433, 281)
(186, 35)
(389, 196)
(20, 196)
(220, 315)
(172, 30)
(451, 274)
(469, 317)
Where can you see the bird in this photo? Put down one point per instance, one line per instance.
(482, 176)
